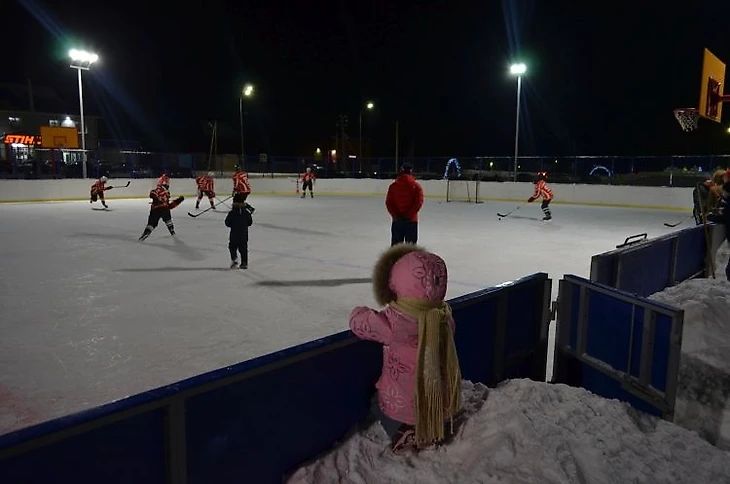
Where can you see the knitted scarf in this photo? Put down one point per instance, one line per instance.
(438, 377)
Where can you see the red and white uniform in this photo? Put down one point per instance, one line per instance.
(308, 176)
(542, 190)
(206, 185)
(99, 187)
(240, 183)
(160, 198)
(163, 180)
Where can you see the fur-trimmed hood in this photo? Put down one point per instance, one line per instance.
(409, 270)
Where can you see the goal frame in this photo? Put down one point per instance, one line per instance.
(472, 190)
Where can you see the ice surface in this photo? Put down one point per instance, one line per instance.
(703, 389)
(89, 315)
(532, 432)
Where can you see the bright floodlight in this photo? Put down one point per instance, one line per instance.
(370, 105)
(248, 90)
(518, 69)
(82, 56)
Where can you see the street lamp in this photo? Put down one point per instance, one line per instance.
(517, 70)
(247, 91)
(369, 106)
(81, 61)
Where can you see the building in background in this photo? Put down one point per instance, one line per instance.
(24, 111)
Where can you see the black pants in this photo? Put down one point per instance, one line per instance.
(156, 215)
(307, 184)
(546, 208)
(402, 230)
(239, 245)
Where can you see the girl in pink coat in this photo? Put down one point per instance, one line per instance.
(420, 384)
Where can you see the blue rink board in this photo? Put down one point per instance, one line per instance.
(259, 419)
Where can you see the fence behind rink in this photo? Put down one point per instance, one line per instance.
(255, 421)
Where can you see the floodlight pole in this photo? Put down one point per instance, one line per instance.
(84, 173)
(240, 114)
(81, 60)
(517, 123)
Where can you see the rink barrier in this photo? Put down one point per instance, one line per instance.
(662, 198)
(653, 265)
(618, 345)
(262, 418)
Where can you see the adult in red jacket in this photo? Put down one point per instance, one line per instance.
(403, 201)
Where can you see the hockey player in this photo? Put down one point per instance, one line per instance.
(238, 220)
(542, 190)
(98, 189)
(308, 181)
(206, 186)
(242, 186)
(160, 209)
(163, 180)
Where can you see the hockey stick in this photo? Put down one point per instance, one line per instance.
(222, 202)
(207, 209)
(666, 224)
(503, 215)
(122, 186)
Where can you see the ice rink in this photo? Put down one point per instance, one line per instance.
(88, 314)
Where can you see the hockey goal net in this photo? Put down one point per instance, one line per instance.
(462, 190)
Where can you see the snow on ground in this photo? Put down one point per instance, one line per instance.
(703, 388)
(533, 432)
(89, 315)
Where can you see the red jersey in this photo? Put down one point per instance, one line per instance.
(542, 190)
(163, 180)
(205, 183)
(160, 198)
(99, 187)
(308, 176)
(240, 182)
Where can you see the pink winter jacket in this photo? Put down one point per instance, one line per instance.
(399, 335)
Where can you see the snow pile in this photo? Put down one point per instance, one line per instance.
(530, 432)
(703, 387)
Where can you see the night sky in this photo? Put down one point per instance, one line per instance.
(601, 80)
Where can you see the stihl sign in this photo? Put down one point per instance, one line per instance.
(22, 139)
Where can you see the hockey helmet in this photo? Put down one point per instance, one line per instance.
(210, 173)
(309, 169)
(541, 175)
(104, 179)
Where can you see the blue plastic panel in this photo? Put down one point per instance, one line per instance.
(646, 270)
(131, 450)
(691, 246)
(475, 326)
(609, 330)
(612, 339)
(265, 425)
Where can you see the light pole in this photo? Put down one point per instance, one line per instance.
(247, 91)
(81, 61)
(517, 70)
(369, 105)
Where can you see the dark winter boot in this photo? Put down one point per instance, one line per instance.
(304, 194)
(234, 264)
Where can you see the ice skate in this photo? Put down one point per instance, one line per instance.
(144, 236)
(244, 266)
(311, 194)
(304, 195)
(234, 264)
